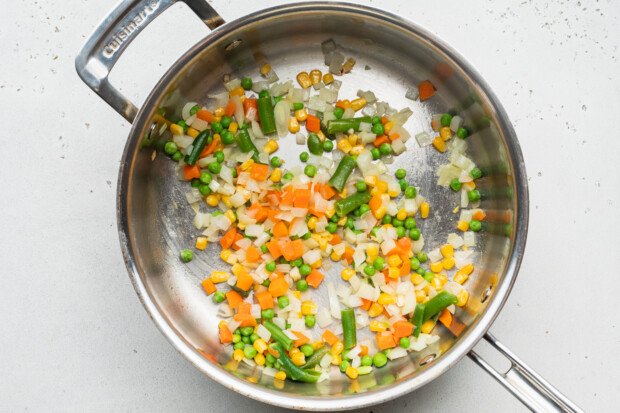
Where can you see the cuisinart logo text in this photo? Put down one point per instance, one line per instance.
(127, 30)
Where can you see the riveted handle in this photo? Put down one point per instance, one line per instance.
(110, 39)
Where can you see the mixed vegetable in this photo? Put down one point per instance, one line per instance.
(281, 229)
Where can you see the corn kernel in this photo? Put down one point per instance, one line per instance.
(380, 212)
(382, 186)
(330, 212)
(448, 263)
(344, 145)
(271, 146)
(233, 127)
(219, 276)
(328, 78)
(436, 283)
(447, 250)
(439, 144)
(347, 273)
(265, 69)
(388, 127)
(428, 326)
(424, 209)
(460, 277)
(260, 345)
(467, 269)
(375, 310)
(230, 215)
(445, 133)
(336, 360)
(276, 175)
(226, 201)
(385, 299)
(259, 359)
(416, 278)
(357, 150)
(420, 296)
(293, 125)
(393, 193)
(176, 129)
(393, 272)
(304, 80)
(236, 91)
(315, 76)
(335, 256)
(436, 266)
(342, 221)
(353, 138)
(377, 326)
(298, 358)
(301, 115)
(462, 226)
(192, 132)
(219, 112)
(317, 264)
(218, 118)
(312, 223)
(238, 269)
(201, 243)
(308, 307)
(351, 372)
(238, 355)
(225, 254)
(394, 260)
(401, 214)
(372, 251)
(357, 104)
(213, 200)
(280, 375)
(348, 65)
(462, 297)
(337, 348)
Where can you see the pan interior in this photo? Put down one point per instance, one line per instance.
(389, 60)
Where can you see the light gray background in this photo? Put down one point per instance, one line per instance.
(74, 336)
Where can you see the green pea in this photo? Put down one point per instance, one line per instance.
(366, 360)
(422, 257)
(306, 236)
(414, 263)
(376, 119)
(264, 249)
(328, 145)
(254, 337)
(287, 176)
(349, 224)
(387, 219)
(266, 282)
(195, 183)
(219, 156)
(420, 271)
(377, 129)
(373, 232)
(246, 340)
(170, 148)
(246, 83)
(297, 262)
(302, 285)
(369, 270)
(400, 173)
(194, 109)
(276, 162)
(385, 149)
(376, 153)
(304, 156)
(379, 360)
(403, 184)
(462, 133)
(226, 121)
(344, 365)
(428, 276)
(414, 234)
(271, 265)
(227, 137)
(214, 167)
(445, 119)
(216, 127)
(247, 331)
(331, 228)
(400, 232)
(475, 173)
(249, 352)
(305, 270)
(404, 342)
(310, 320)
(338, 112)
(307, 349)
(397, 222)
(361, 186)
(267, 314)
(410, 192)
(186, 255)
(236, 338)
(473, 195)
(204, 190)
(298, 106)
(410, 223)
(364, 208)
(239, 346)
(475, 225)
(219, 297)
(378, 263)
(283, 301)
(455, 184)
(310, 170)
(270, 359)
(206, 178)
(182, 124)
(177, 156)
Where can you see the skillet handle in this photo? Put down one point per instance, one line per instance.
(524, 383)
(110, 39)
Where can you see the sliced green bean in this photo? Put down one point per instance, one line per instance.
(438, 303)
(343, 125)
(245, 143)
(278, 335)
(314, 144)
(199, 144)
(315, 359)
(345, 167)
(418, 319)
(352, 202)
(348, 328)
(266, 115)
(292, 371)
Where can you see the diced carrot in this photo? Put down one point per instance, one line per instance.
(244, 281)
(287, 197)
(385, 340)
(280, 230)
(301, 198)
(250, 107)
(327, 191)
(208, 286)
(348, 254)
(271, 214)
(380, 140)
(259, 172)
(233, 298)
(225, 334)
(426, 90)
(210, 148)
(228, 238)
(479, 215)
(191, 172)
(291, 250)
(446, 317)
(384, 120)
(335, 239)
(278, 287)
(403, 246)
(393, 136)
(456, 327)
(366, 304)
(205, 115)
(405, 268)
(301, 338)
(375, 203)
(329, 337)
(313, 123)
(257, 212)
(238, 237)
(363, 350)
(314, 279)
(244, 308)
(274, 249)
(341, 104)
(252, 254)
(245, 320)
(402, 328)
(265, 299)
(229, 110)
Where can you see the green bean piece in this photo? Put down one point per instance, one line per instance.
(345, 167)
(314, 144)
(348, 328)
(291, 370)
(434, 306)
(418, 319)
(315, 359)
(245, 143)
(266, 115)
(352, 202)
(343, 125)
(198, 145)
(278, 335)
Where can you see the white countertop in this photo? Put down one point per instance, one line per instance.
(74, 336)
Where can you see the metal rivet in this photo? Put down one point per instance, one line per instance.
(230, 46)
(427, 359)
(486, 294)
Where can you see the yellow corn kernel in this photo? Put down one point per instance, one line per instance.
(424, 209)
(336, 360)
(337, 348)
(238, 270)
(394, 261)
(393, 272)
(259, 359)
(467, 269)
(328, 78)
(298, 358)
(225, 254)
(377, 326)
(462, 297)
(260, 345)
(330, 212)
(219, 112)
(233, 127)
(448, 263)
(276, 175)
(353, 138)
(342, 221)
(213, 200)
(347, 273)
(241, 226)
(385, 299)
(380, 212)
(348, 65)
(312, 223)
(357, 150)
(439, 144)
(315, 76)
(428, 326)
(218, 119)
(372, 251)
(351, 372)
(308, 307)
(304, 80)
(226, 201)
(201, 243)
(230, 215)
(176, 129)
(238, 355)
(357, 104)
(436, 266)
(393, 193)
(462, 226)
(375, 310)
(436, 283)
(447, 250)
(335, 256)
(219, 276)
(317, 264)
(192, 132)
(445, 133)
(301, 115)
(416, 278)
(460, 277)
(401, 214)
(344, 145)
(293, 125)
(318, 344)
(271, 146)
(280, 375)
(443, 278)
(382, 186)
(420, 296)
(236, 91)
(388, 127)
(264, 69)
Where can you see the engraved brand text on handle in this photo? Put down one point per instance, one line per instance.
(129, 28)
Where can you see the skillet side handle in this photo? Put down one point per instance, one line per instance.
(110, 39)
(524, 383)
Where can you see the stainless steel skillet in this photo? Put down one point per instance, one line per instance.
(392, 54)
